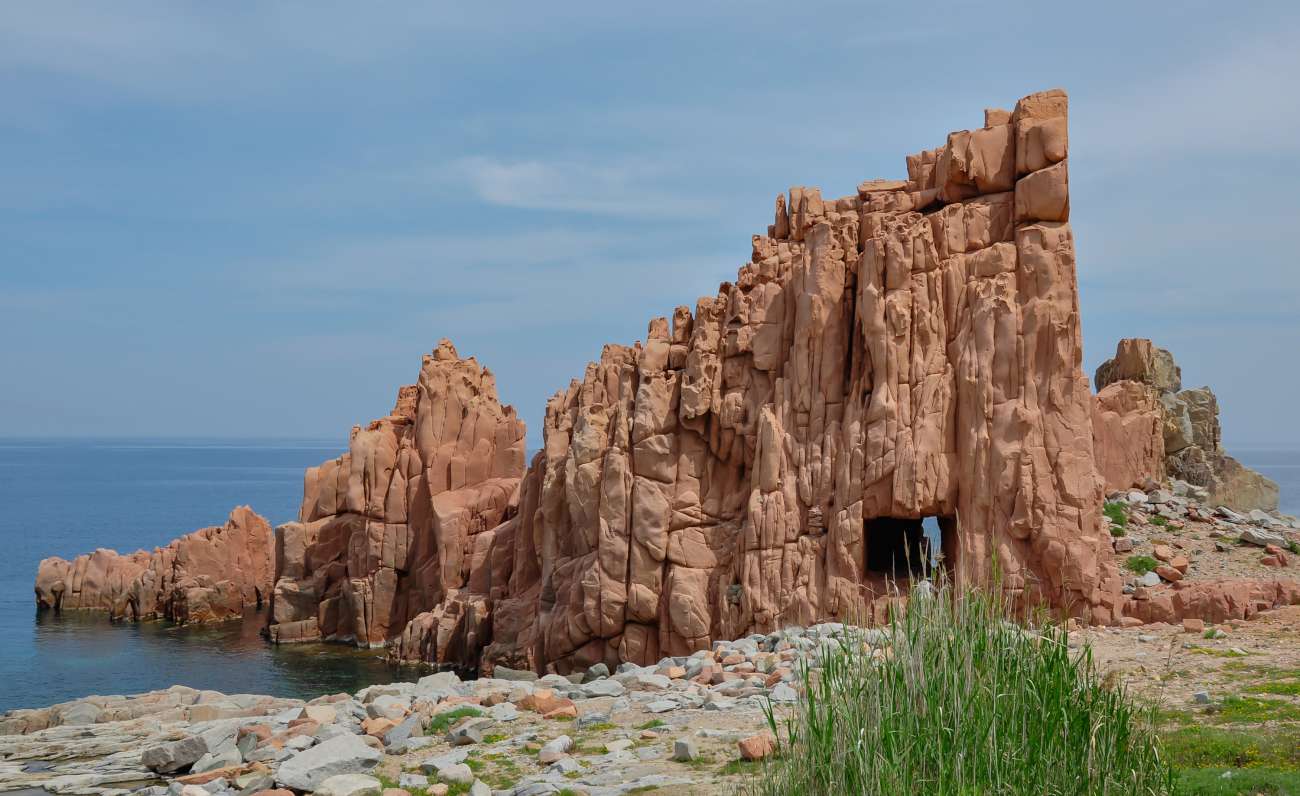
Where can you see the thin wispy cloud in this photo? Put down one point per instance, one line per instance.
(620, 189)
(1241, 99)
(311, 193)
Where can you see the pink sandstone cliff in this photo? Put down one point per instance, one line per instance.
(213, 574)
(393, 527)
(909, 351)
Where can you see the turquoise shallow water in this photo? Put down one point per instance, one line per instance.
(68, 497)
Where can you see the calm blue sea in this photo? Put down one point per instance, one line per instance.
(69, 497)
(1281, 463)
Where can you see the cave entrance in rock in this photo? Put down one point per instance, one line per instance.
(907, 548)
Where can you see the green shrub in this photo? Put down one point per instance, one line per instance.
(1159, 520)
(968, 703)
(1116, 512)
(1141, 565)
(444, 721)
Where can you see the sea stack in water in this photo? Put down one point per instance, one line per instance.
(402, 522)
(210, 575)
(1148, 426)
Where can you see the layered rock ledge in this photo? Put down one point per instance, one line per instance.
(212, 574)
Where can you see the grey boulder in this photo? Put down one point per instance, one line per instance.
(171, 757)
(346, 754)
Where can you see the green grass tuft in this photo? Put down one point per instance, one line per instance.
(1281, 689)
(1141, 565)
(1156, 519)
(969, 703)
(443, 721)
(1116, 512)
(652, 724)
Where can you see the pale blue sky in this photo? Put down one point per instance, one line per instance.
(250, 219)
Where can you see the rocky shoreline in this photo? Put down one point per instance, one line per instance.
(674, 725)
(680, 724)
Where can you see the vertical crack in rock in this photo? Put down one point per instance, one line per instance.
(404, 538)
(910, 351)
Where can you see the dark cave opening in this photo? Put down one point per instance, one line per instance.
(909, 547)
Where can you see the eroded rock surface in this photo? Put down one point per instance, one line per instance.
(764, 460)
(1188, 434)
(402, 522)
(1128, 441)
(213, 574)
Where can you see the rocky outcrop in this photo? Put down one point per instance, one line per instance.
(213, 574)
(397, 525)
(1127, 441)
(766, 459)
(1188, 432)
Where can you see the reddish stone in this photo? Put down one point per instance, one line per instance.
(1193, 625)
(377, 727)
(1168, 573)
(757, 747)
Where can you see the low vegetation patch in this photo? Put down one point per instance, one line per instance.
(1217, 747)
(1218, 653)
(1117, 513)
(1141, 565)
(1237, 782)
(968, 703)
(444, 721)
(1252, 710)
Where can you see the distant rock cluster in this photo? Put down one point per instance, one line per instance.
(1148, 427)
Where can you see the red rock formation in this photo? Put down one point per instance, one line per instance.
(210, 575)
(1127, 440)
(393, 527)
(909, 351)
(1186, 434)
(1213, 601)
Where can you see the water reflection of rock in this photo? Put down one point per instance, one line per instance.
(86, 653)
